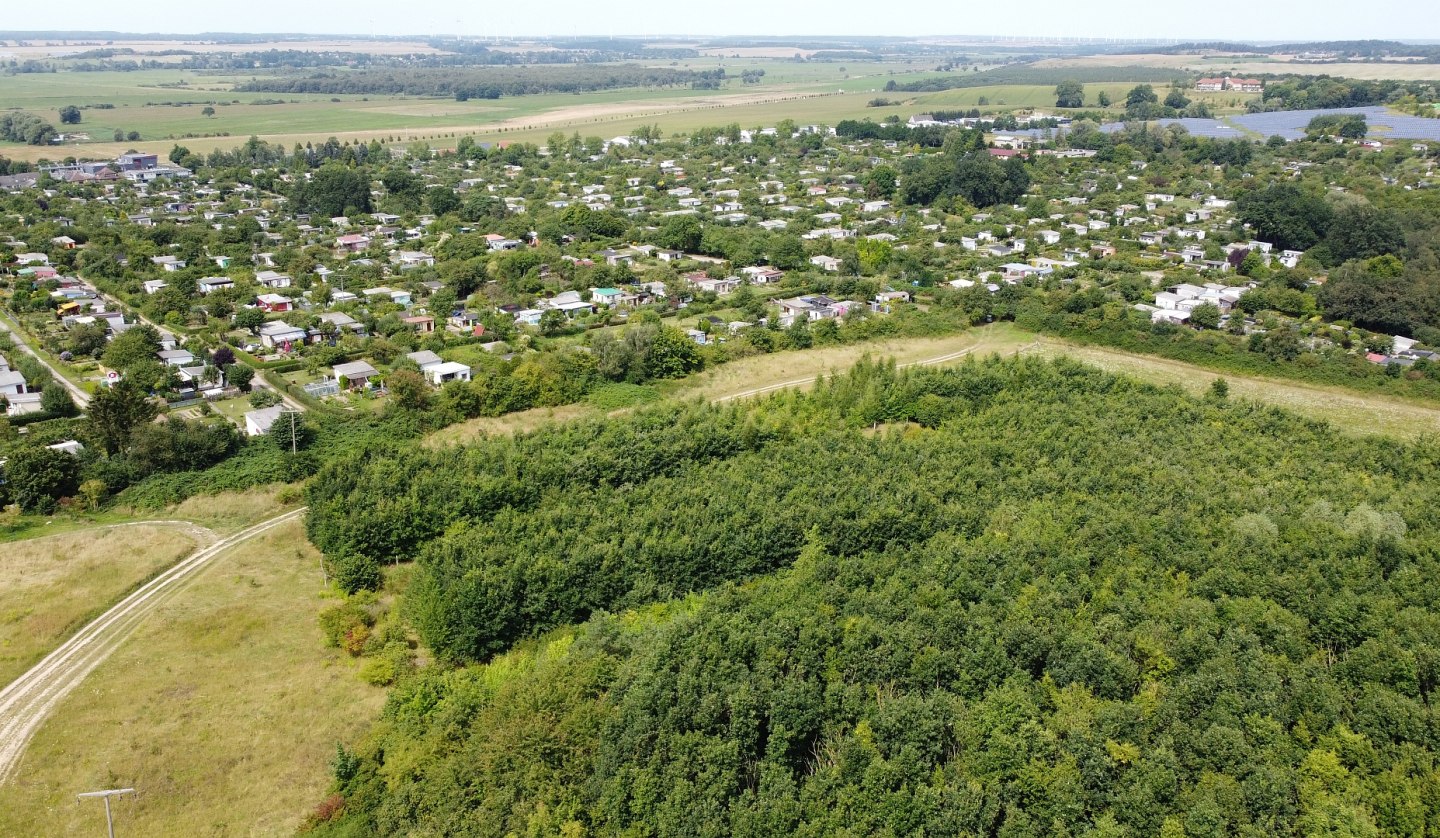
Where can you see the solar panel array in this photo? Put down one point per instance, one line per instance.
(1382, 123)
(1196, 127)
(1289, 124)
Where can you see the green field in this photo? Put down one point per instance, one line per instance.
(165, 106)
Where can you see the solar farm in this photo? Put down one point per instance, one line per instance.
(1383, 124)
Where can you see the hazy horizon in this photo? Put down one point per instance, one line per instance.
(1123, 20)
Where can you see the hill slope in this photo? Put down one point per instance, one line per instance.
(1011, 598)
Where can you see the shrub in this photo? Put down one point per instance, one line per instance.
(339, 621)
(378, 671)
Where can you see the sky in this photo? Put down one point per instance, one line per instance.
(1124, 19)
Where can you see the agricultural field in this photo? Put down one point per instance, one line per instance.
(1242, 65)
(230, 735)
(165, 106)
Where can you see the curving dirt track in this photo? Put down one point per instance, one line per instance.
(28, 701)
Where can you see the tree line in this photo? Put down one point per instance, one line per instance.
(490, 83)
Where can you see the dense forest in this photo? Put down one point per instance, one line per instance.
(1011, 598)
(489, 83)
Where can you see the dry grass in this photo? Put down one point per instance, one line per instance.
(511, 423)
(1349, 411)
(51, 584)
(40, 50)
(222, 710)
(758, 52)
(233, 511)
(764, 372)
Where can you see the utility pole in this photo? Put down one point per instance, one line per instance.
(106, 795)
(293, 441)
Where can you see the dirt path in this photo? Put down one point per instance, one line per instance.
(1348, 410)
(202, 535)
(82, 398)
(29, 700)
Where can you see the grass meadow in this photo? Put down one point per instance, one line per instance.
(52, 584)
(223, 709)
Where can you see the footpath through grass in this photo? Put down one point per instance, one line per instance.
(50, 585)
(1349, 410)
(223, 710)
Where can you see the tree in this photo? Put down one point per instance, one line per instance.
(69, 115)
(671, 354)
(291, 432)
(1378, 295)
(240, 375)
(786, 251)
(1285, 215)
(880, 183)
(442, 200)
(116, 411)
(681, 232)
(36, 477)
(133, 136)
(552, 321)
(983, 181)
(1360, 231)
(55, 400)
(250, 318)
(1347, 126)
(207, 111)
(1205, 316)
(1070, 94)
(408, 390)
(1103, 99)
(333, 189)
(89, 340)
(1140, 95)
(131, 348)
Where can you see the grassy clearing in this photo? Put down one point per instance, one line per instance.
(760, 372)
(801, 367)
(511, 423)
(804, 93)
(1247, 65)
(1043, 96)
(233, 511)
(223, 710)
(53, 583)
(1352, 412)
(1349, 411)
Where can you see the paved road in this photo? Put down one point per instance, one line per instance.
(26, 703)
(82, 398)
